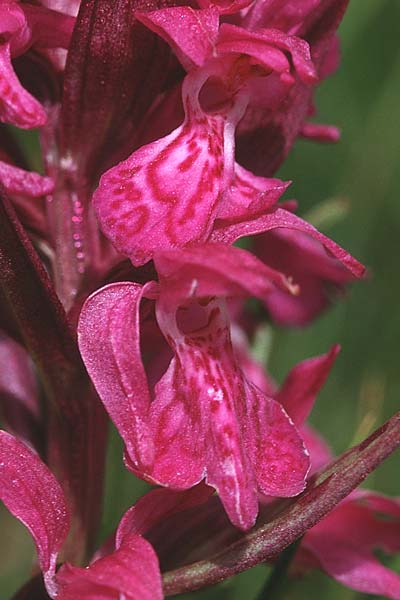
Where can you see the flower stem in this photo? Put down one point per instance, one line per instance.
(267, 540)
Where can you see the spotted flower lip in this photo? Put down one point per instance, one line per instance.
(203, 419)
(33, 495)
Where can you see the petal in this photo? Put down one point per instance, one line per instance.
(216, 270)
(319, 275)
(191, 33)
(320, 133)
(177, 428)
(269, 47)
(281, 461)
(353, 566)
(19, 392)
(50, 28)
(285, 219)
(226, 7)
(132, 571)
(32, 494)
(250, 196)
(165, 194)
(19, 181)
(297, 395)
(109, 342)
(17, 106)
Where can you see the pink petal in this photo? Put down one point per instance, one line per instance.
(131, 572)
(19, 181)
(281, 461)
(19, 391)
(17, 106)
(32, 494)
(283, 218)
(303, 383)
(109, 342)
(226, 7)
(191, 33)
(318, 275)
(320, 133)
(379, 503)
(268, 47)
(176, 426)
(250, 196)
(216, 270)
(50, 28)
(353, 566)
(254, 370)
(166, 193)
(156, 506)
(286, 16)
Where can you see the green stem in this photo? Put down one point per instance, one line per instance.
(277, 582)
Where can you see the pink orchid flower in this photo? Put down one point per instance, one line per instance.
(169, 193)
(23, 26)
(203, 419)
(33, 495)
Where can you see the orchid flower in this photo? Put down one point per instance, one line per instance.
(205, 420)
(169, 193)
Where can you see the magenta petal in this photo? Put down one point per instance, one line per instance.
(250, 196)
(109, 342)
(320, 133)
(353, 566)
(281, 461)
(131, 572)
(19, 181)
(283, 218)
(303, 383)
(216, 270)
(17, 106)
(177, 428)
(191, 33)
(19, 392)
(50, 28)
(32, 494)
(226, 7)
(166, 193)
(269, 48)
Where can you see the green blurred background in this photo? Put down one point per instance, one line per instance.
(361, 173)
